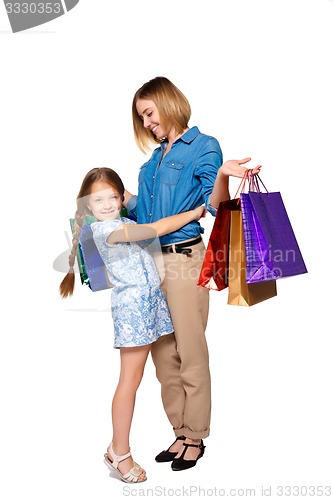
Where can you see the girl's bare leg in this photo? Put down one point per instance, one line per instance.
(132, 363)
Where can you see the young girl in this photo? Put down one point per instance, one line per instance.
(139, 309)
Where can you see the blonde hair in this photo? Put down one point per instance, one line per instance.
(172, 105)
(96, 174)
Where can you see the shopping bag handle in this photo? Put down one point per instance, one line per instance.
(252, 182)
(242, 184)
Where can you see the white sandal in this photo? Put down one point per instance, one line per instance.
(132, 476)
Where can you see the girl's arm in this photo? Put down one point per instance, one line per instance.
(221, 186)
(137, 232)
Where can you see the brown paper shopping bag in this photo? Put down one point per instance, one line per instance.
(240, 293)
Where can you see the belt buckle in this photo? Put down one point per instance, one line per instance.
(168, 249)
(178, 248)
(184, 250)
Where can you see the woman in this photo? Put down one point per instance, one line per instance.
(184, 171)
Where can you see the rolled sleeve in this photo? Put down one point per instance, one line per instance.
(211, 210)
(208, 162)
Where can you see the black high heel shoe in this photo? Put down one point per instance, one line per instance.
(166, 455)
(181, 464)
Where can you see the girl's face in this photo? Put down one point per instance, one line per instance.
(104, 201)
(150, 117)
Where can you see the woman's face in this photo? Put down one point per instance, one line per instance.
(150, 117)
(104, 201)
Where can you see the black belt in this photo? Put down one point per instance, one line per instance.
(181, 247)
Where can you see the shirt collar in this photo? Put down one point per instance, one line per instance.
(188, 137)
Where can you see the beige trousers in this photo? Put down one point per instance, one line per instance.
(181, 359)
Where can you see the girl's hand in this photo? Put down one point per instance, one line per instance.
(199, 212)
(234, 168)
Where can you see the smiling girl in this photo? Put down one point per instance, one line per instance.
(139, 309)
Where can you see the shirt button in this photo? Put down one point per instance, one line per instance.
(152, 196)
(153, 176)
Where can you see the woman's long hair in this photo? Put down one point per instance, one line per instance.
(172, 105)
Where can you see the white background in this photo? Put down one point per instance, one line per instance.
(258, 75)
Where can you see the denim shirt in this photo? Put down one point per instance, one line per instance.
(181, 180)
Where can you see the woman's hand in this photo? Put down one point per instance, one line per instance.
(234, 168)
(199, 212)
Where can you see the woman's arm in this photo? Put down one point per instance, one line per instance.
(137, 232)
(127, 196)
(221, 186)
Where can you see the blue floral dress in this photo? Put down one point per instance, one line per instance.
(139, 309)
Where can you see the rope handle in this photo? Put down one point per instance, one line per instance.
(252, 183)
(242, 184)
(256, 180)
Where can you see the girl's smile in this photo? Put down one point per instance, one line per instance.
(104, 202)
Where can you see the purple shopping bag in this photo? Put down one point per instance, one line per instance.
(94, 265)
(271, 247)
(258, 264)
(92, 268)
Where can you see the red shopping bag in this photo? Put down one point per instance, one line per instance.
(214, 270)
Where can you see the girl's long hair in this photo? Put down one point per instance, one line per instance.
(96, 174)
